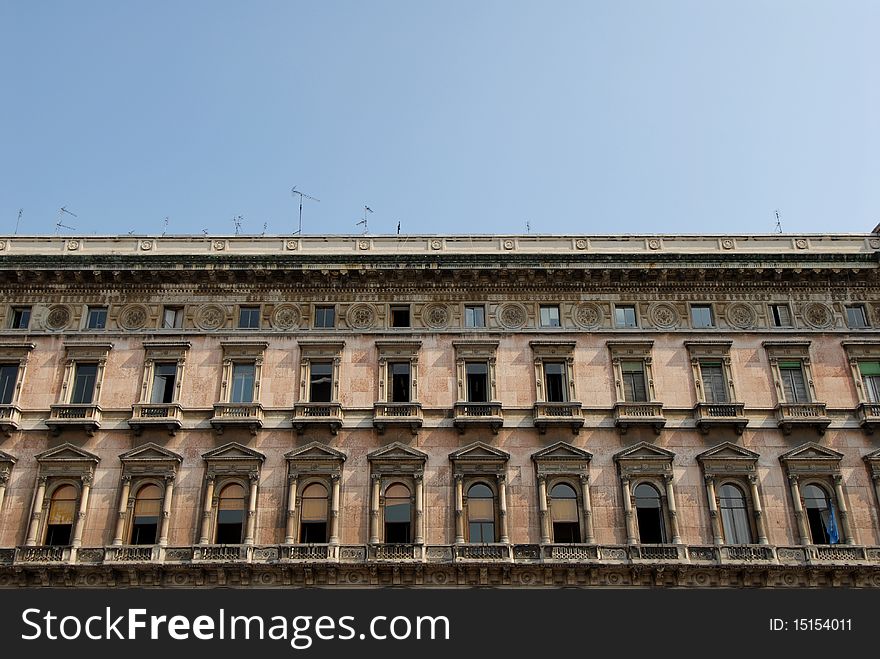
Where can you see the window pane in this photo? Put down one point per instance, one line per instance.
(481, 509)
(649, 514)
(793, 383)
(701, 315)
(780, 315)
(243, 377)
(321, 382)
(625, 316)
(734, 515)
(21, 318)
(400, 387)
(477, 382)
(164, 375)
(97, 318)
(564, 510)
(634, 385)
(249, 317)
(714, 384)
(325, 317)
(8, 378)
(475, 316)
(84, 384)
(550, 316)
(872, 388)
(856, 317)
(554, 381)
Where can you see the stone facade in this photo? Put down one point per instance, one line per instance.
(673, 359)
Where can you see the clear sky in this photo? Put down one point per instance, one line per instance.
(449, 117)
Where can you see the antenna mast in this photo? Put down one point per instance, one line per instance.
(778, 221)
(59, 225)
(294, 191)
(20, 211)
(367, 209)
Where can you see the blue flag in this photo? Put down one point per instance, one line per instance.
(833, 536)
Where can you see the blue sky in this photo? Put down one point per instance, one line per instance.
(449, 117)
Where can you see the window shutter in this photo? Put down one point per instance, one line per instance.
(714, 386)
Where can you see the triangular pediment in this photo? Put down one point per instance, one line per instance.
(315, 451)
(728, 451)
(479, 451)
(5, 457)
(873, 455)
(644, 451)
(150, 452)
(811, 451)
(397, 451)
(67, 453)
(562, 451)
(233, 451)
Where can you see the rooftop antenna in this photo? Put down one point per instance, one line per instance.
(265, 226)
(294, 191)
(205, 231)
(778, 221)
(165, 226)
(528, 227)
(20, 211)
(367, 209)
(58, 224)
(398, 227)
(237, 222)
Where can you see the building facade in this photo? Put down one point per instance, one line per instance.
(524, 411)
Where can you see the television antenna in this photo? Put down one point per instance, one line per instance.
(528, 227)
(59, 225)
(20, 211)
(367, 209)
(237, 222)
(294, 191)
(165, 226)
(778, 221)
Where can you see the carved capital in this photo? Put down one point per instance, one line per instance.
(42, 481)
(126, 480)
(86, 479)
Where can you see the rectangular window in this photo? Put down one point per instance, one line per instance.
(249, 317)
(714, 383)
(400, 316)
(550, 316)
(97, 318)
(634, 385)
(8, 380)
(325, 317)
(477, 375)
(780, 315)
(794, 385)
(871, 376)
(20, 318)
(475, 316)
(554, 382)
(84, 378)
(625, 316)
(321, 382)
(172, 318)
(243, 378)
(856, 317)
(399, 375)
(701, 316)
(164, 376)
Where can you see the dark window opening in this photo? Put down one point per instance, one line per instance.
(475, 316)
(21, 318)
(398, 514)
(249, 317)
(325, 317)
(230, 515)
(780, 315)
(649, 513)
(821, 517)
(164, 376)
(477, 382)
(400, 316)
(320, 382)
(84, 379)
(564, 514)
(400, 382)
(172, 318)
(794, 385)
(97, 318)
(8, 381)
(146, 514)
(554, 380)
(62, 512)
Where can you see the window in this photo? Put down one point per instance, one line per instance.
(8, 382)
(564, 514)
(84, 379)
(554, 382)
(477, 375)
(734, 515)
(164, 377)
(780, 315)
(400, 316)
(820, 515)
(870, 372)
(481, 514)
(399, 385)
(550, 316)
(634, 387)
(856, 316)
(20, 318)
(398, 514)
(313, 518)
(62, 511)
(230, 515)
(320, 382)
(714, 382)
(701, 316)
(145, 516)
(474, 315)
(649, 513)
(794, 385)
(172, 318)
(249, 317)
(243, 379)
(96, 318)
(325, 317)
(625, 316)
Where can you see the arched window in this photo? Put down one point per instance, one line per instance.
(481, 514)
(313, 518)
(564, 514)
(398, 514)
(734, 515)
(820, 515)
(649, 512)
(145, 516)
(62, 512)
(230, 515)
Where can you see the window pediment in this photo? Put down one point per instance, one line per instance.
(811, 458)
(233, 458)
(644, 458)
(150, 459)
(397, 458)
(561, 458)
(6, 463)
(728, 458)
(315, 458)
(479, 457)
(550, 349)
(67, 460)
(873, 462)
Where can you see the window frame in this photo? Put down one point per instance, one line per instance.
(96, 308)
(559, 352)
(632, 351)
(313, 462)
(397, 307)
(856, 353)
(237, 352)
(865, 318)
(479, 462)
(467, 485)
(646, 463)
(83, 353)
(179, 313)
(220, 485)
(791, 351)
(397, 463)
(391, 352)
(323, 307)
(549, 307)
(16, 354)
(19, 308)
(464, 314)
(701, 352)
(250, 309)
(624, 307)
(659, 487)
(146, 464)
(319, 351)
(771, 315)
(163, 353)
(694, 306)
(475, 352)
(229, 463)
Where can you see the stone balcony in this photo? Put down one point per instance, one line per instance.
(10, 419)
(558, 415)
(794, 415)
(407, 415)
(485, 415)
(156, 415)
(237, 415)
(720, 415)
(869, 416)
(639, 414)
(310, 415)
(71, 415)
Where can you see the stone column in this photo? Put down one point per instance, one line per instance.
(845, 526)
(800, 518)
(3, 479)
(80, 521)
(459, 510)
(250, 527)
(673, 512)
(290, 528)
(123, 510)
(714, 517)
(543, 510)
(502, 508)
(628, 513)
(760, 523)
(375, 485)
(206, 511)
(36, 511)
(165, 521)
(876, 479)
(419, 538)
(334, 511)
(589, 536)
